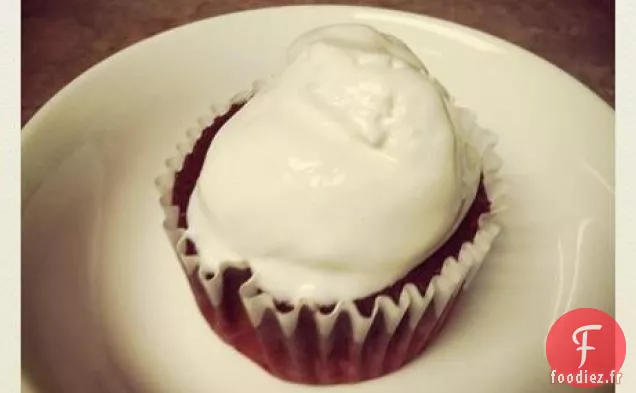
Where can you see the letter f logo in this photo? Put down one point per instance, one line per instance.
(583, 344)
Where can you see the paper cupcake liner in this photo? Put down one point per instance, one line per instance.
(306, 343)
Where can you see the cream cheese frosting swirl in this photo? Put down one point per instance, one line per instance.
(340, 175)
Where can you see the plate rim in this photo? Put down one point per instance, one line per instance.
(30, 127)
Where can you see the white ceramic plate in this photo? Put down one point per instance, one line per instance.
(106, 307)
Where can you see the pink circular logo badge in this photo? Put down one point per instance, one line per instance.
(586, 348)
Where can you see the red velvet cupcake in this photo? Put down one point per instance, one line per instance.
(328, 293)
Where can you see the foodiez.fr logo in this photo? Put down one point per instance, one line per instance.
(586, 348)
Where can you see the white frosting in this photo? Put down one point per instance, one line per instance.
(338, 176)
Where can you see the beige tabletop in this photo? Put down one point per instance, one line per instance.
(63, 38)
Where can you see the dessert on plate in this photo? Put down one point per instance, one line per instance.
(328, 219)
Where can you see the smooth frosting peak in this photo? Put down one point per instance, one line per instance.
(339, 175)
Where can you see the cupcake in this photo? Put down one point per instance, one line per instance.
(328, 220)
